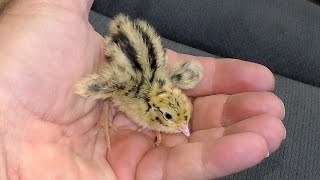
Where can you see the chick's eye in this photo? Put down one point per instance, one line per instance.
(167, 116)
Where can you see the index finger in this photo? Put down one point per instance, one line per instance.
(227, 76)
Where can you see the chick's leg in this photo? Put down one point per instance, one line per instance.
(113, 127)
(105, 122)
(158, 138)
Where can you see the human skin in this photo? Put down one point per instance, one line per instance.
(49, 132)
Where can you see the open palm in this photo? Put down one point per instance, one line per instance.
(48, 132)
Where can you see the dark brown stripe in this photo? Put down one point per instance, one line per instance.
(176, 77)
(161, 83)
(94, 88)
(151, 51)
(123, 42)
(147, 101)
(139, 86)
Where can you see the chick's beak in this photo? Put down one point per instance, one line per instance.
(184, 129)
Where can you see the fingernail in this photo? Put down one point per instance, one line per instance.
(268, 154)
(284, 109)
(285, 134)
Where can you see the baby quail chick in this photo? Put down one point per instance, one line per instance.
(135, 78)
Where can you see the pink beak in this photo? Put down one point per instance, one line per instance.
(184, 129)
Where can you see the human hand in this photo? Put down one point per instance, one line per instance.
(47, 131)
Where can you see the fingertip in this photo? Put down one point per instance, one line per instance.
(267, 78)
(275, 136)
(276, 106)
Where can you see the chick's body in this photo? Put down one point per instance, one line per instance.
(134, 76)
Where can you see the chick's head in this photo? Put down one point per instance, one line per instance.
(171, 111)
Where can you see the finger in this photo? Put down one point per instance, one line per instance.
(224, 110)
(251, 104)
(227, 76)
(270, 128)
(204, 160)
